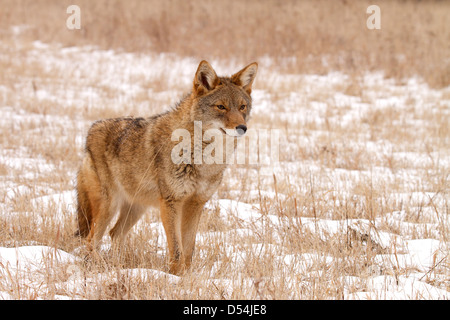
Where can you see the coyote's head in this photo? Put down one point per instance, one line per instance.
(223, 102)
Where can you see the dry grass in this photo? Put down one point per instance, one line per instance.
(362, 156)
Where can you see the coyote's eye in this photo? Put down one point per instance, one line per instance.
(221, 107)
(242, 108)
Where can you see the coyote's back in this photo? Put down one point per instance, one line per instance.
(129, 165)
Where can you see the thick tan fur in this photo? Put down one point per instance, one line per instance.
(128, 166)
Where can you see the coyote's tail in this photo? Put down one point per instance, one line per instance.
(85, 185)
(84, 211)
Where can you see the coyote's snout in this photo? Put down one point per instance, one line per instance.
(128, 166)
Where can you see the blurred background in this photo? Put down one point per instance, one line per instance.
(311, 36)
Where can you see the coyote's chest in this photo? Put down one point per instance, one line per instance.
(196, 179)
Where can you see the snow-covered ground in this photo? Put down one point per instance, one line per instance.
(356, 208)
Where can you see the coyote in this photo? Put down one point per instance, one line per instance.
(128, 166)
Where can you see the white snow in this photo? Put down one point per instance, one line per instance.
(33, 258)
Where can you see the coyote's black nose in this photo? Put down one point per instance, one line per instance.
(241, 129)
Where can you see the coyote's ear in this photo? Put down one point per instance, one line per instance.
(205, 78)
(245, 77)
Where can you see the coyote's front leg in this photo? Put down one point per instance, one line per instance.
(171, 218)
(192, 210)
